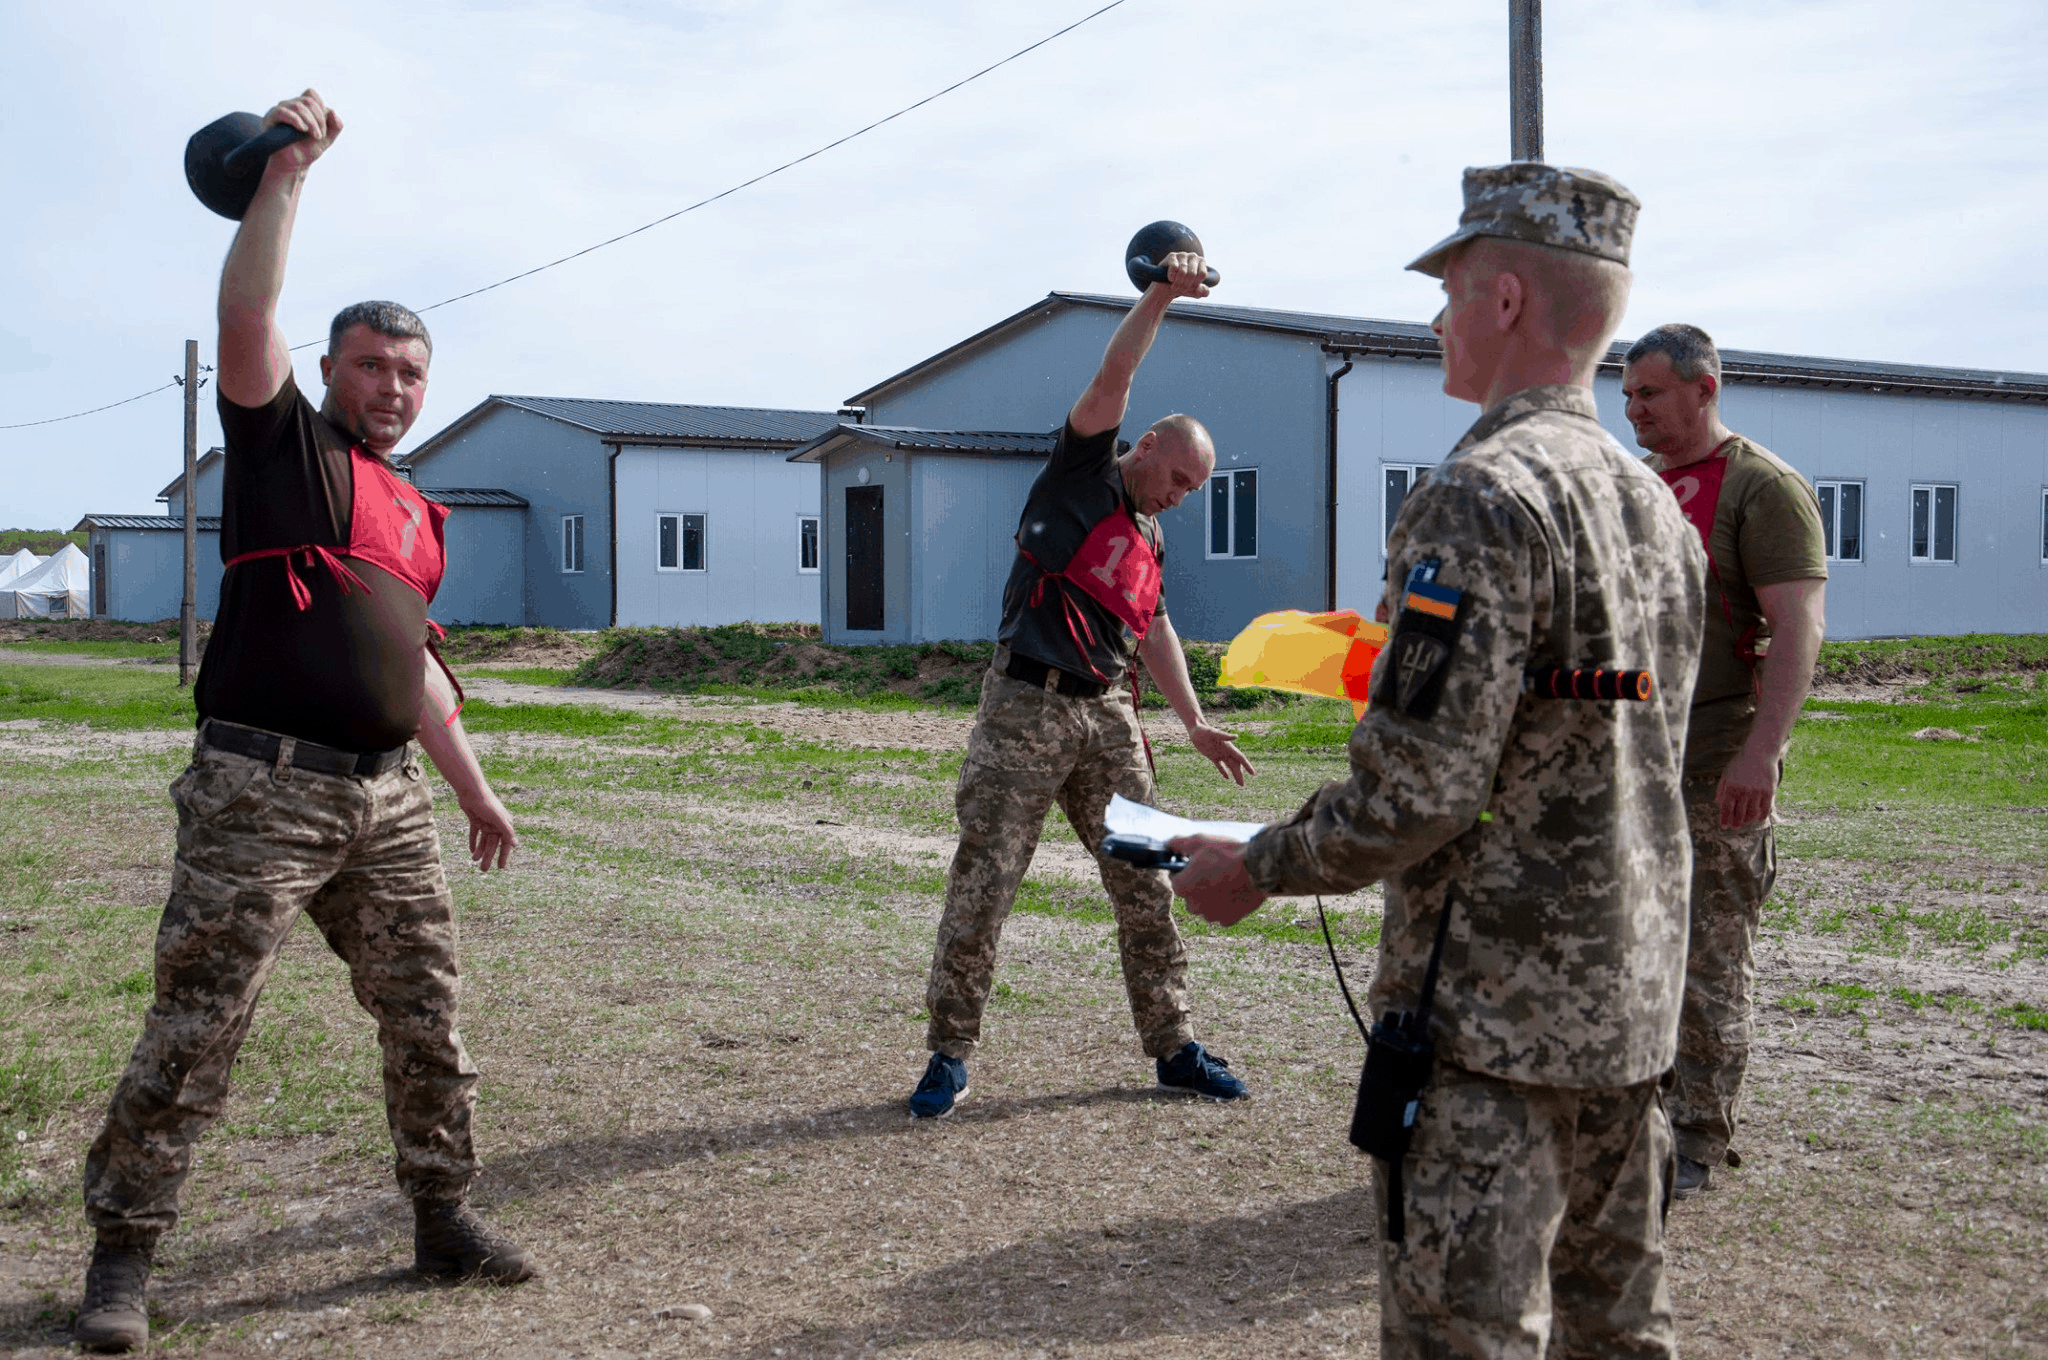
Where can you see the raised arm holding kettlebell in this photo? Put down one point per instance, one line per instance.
(254, 355)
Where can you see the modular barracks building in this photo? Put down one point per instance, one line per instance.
(1933, 481)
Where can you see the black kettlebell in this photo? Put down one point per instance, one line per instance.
(1156, 242)
(224, 160)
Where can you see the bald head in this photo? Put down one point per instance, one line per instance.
(1173, 457)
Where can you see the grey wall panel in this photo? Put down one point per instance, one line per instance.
(751, 502)
(560, 470)
(146, 574)
(1389, 411)
(486, 578)
(966, 512)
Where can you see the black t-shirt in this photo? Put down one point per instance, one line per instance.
(1078, 487)
(348, 670)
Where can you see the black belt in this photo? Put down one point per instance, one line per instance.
(1062, 682)
(306, 755)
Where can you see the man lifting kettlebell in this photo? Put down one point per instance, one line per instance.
(305, 794)
(1056, 721)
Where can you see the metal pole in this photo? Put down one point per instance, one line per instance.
(1525, 78)
(188, 614)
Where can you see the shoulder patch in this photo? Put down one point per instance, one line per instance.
(1425, 634)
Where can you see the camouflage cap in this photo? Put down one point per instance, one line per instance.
(1546, 205)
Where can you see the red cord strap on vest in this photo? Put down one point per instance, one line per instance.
(440, 634)
(316, 556)
(302, 596)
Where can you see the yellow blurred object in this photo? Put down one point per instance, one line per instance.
(1328, 654)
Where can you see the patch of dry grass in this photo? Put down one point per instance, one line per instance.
(696, 1012)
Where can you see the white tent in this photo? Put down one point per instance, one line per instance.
(60, 588)
(13, 568)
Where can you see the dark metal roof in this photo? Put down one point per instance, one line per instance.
(914, 440)
(667, 420)
(208, 524)
(1411, 340)
(473, 496)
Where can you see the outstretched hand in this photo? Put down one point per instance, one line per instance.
(1221, 749)
(490, 831)
(1216, 884)
(309, 114)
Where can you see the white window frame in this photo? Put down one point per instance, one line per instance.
(572, 545)
(1388, 512)
(1831, 516)
(2044, 526)
(817, 523)
(1228, 476)
(1933, 490)
(681, 518)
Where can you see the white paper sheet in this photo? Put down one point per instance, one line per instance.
(1136, 819)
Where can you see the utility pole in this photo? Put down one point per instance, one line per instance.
(1525, 79)
(188, 614)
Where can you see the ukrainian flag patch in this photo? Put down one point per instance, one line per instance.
(1413, 668)
(1427, 597)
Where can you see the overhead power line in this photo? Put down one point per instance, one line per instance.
(700, 203)
(175, 382)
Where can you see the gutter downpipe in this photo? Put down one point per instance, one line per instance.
(611, 528)
(1330, 518)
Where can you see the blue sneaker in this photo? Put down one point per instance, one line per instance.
(944, 1084)
(1199, 1072)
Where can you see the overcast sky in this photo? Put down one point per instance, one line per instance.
(1850, 178)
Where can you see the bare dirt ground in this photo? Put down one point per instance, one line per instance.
(697, 1020)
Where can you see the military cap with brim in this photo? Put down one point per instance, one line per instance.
(1545, 205)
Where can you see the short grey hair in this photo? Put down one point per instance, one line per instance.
(385, 318)
(1690, 349)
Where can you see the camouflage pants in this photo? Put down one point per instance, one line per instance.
(256, 846)
(1029, 748)
(1535, 1224)
(1732, 874)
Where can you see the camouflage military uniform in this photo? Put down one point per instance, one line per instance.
(1554, 834)
(1031, 747)
(1732, 873)
(257, 844)
(1766, 530)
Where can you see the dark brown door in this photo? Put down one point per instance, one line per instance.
(864, 559)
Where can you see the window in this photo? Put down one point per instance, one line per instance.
(679, 542)
(1934, 524)
(1397, 480)
(1841, 519)
(572, 543)
(807, 543)
(1234, 513)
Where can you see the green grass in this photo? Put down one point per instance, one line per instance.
(1938, 658)
(520, 675)
(100, 696)
(121, 650)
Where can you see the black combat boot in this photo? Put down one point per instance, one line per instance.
(451, 1242)
(113, 1316)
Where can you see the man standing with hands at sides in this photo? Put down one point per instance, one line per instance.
(304, 794)
(1766, 595)
(1054, 723)
(1533, 848)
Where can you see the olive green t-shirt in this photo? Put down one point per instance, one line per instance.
(1766, 532)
